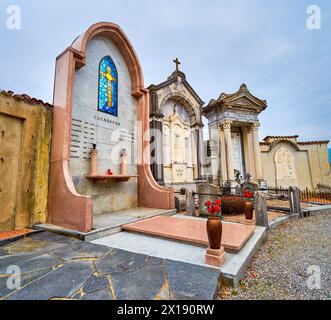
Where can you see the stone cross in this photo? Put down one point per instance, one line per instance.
(261, 211)
(177, 64)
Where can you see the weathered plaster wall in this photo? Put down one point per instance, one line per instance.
(319, 162)
(25, 133)
(111, 134)
(310, 161)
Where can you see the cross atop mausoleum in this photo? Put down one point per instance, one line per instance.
(177, 64)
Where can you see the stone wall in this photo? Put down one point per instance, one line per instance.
(25, 133)
(308, 168)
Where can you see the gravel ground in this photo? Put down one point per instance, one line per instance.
(279, 269)
(285, 204)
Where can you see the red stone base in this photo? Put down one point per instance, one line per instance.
(215, 257)
(250, 222)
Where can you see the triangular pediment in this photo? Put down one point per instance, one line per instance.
(243, 99)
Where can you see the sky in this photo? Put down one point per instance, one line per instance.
(221, 44)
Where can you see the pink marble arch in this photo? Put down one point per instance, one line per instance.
(66, 207)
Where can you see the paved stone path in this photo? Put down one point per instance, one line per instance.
(56, 267)
(279, 269)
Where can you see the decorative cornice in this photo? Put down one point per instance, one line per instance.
(197, 125)
(157, 115)
(235, 100)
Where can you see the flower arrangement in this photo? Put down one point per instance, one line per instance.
(214, 208)
(248, 194)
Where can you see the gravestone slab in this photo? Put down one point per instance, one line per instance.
(190, 202)
(261, 212)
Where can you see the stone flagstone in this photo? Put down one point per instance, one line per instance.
(116, 274)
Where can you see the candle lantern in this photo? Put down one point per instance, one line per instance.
(94, 161)
(124, 157)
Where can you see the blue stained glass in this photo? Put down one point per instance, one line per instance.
(108, 87)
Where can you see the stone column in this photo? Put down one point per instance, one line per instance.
(229, 149)
(257, 152)
(248, 150)
(222, 156)
(198, 140)
(190, 202)
(261, 211)
(157, 150)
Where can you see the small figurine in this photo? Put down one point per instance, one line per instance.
(110, 172)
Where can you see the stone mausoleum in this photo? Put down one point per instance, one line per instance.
(237, 153)
(177, 151)
(100, 121)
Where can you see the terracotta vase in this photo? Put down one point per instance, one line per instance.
(214, 231)
(249, 210)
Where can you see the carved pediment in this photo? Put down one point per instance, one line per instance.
(244, 99)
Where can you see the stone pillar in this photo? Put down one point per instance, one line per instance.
(229, 149)
(298, 202)
(291, 199)
(261, 212)
(157, 150)
(257, 152)
(222, 156)
(198, 140)
(189, 202)
(295, 201)
(248, 150)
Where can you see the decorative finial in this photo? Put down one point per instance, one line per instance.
(177, 64)
(243, 88)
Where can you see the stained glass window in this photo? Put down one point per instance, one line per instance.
(108, 87)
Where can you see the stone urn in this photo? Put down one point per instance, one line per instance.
(249, 210)
(214, 231)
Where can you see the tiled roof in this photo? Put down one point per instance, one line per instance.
(25, 97)
(265, 143)
(281, 137)
(314, 142)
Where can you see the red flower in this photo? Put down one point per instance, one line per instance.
(211, 210)
(248, 194)
(217, 209)
(208, 204)
(218, 202)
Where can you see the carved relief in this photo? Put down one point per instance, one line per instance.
(285, 168)
(166, 130)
